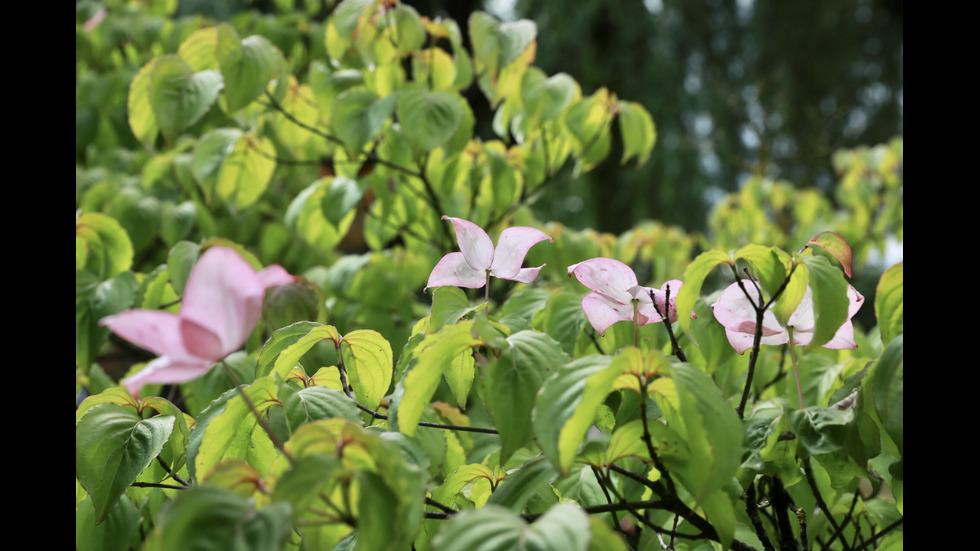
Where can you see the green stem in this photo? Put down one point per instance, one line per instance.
(258, 417)
(796, 371)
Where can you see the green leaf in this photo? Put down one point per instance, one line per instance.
(890, 302)
(428, 119)
(888, 389)
(199, 49)
(546, 98)
(358, 116)
(179, 96)
(449, 305)
(140, 114)
(639, 134)
(568, 402)
(835, 245)
(210, 153)
(102, 246)
(409, 33)
(767, 266)
(341, 198)
(564, 527)
(209, 517)
(288, 345)
(247, 67)
(830, 301)
(119, 532)
(112, 447)
(433, 356)
(694, 276)
(227, 429)
(710, 428)
(246, 171)
(368, 359)
(521, 485)
(180, 261)
(820, 429)
(512, 381)
(318, 402)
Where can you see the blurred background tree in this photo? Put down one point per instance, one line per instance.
(737, 88)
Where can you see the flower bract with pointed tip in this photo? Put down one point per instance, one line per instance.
(221, 305)
(478, 259)
(616, 289)
(734, 310)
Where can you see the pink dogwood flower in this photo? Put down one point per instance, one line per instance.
(736, 313)
(478, 259)
(220, 307)
(617, 295)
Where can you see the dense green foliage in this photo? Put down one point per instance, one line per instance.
(364, 413)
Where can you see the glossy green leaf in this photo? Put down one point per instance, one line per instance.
(208, 517)
(449, 305)
(247, 67)
(246, 171)
(837, 246)
(890, 302)
(178, 96)
(102, 246)
(564, 527)
(368, 359)
(820, 429)
(180, 261)
(428, 119)
(319, 402)
(694, 276)
(512, 381)
(358, 116)
(288, 345)
(720, 511)
(119, 532)
(522, 484)
(710, 428)
(142, 121)
(546, 97)
(112, 447)
(767, 267)
(888, 389)
(199, 49)
(638, 132)
(341, 198)
(433, 356)
(830, 301)
(567, 405)
(229, 430)
(210, 153)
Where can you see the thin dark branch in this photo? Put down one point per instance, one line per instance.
(605, 491)
(436, 504)
(595, 341)
(292, 118)
(255, 412)
(820, 502)
(675, 347)
(847, 519)
(875, 537)
(172, 474)
(382, 416)
(155, 485)
(752, 508)
(801, 517)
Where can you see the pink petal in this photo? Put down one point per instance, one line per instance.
(274, 275)
(475, 244)
(527, 275)
(153, 330)
(736, 313)
(454, 270)
(742, 341)
(201, 342)
(167, 370)
(843, 338)
(512, 247)
(602, 312)
(224, 296)
(607, 277)
(645, 311)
